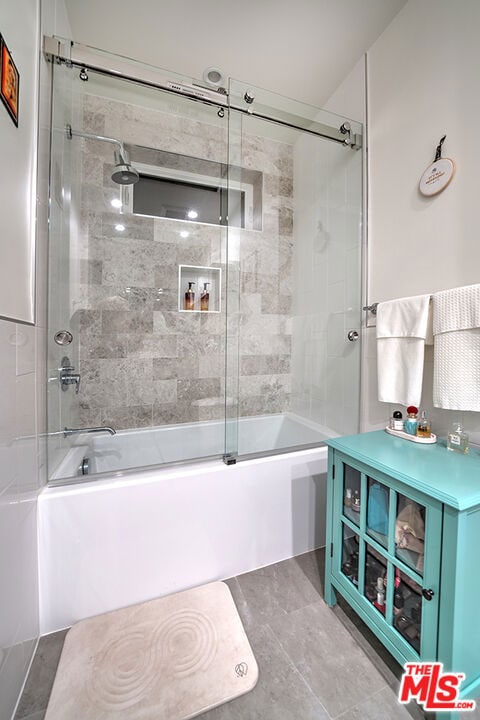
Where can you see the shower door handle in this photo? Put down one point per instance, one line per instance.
(353, 335)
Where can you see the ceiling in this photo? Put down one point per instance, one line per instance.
(302, 49)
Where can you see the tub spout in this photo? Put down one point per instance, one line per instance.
(79, 431)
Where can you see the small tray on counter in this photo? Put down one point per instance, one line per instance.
(413, 438)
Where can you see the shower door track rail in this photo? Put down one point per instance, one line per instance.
(62, 51)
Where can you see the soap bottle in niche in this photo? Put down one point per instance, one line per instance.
(424, 428)
(204, 297)
(189, 297)
(411, 421)
(457, 439)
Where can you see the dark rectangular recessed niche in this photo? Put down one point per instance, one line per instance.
(178, 199)
(186, 188)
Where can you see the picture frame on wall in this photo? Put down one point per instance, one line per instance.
(9, 81)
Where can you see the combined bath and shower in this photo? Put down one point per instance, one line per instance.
(123, 173)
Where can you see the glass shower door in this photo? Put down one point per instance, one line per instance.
(205, 262)
(148, 354)
(298, 269)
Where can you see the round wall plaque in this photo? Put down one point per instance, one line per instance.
(437, 176)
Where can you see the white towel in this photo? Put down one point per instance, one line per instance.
(402, 329)
(456, 361)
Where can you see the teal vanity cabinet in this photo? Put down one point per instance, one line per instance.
(403, 547)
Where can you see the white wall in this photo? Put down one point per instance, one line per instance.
(423, 83)
(17, 150)
(22, 365)
(18, 477)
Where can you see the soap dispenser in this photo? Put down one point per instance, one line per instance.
(204, 297)
(189, 297)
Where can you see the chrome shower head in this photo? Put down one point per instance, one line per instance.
(123, 172)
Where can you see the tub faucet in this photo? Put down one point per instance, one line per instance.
(79, 431)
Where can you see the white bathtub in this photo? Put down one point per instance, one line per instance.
(114, 541)
(176, 443)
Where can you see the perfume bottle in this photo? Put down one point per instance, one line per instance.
(396, 421)
(379, 603)
(204, 297)
(348, 498)
(356, 501)
(411, 421)
(398, 601)
(189, 298)
(424, 427)
(457, 439)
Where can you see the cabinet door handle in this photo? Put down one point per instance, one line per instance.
(428, 594)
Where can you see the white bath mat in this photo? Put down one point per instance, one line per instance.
(168, 659)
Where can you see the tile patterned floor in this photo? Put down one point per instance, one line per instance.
(315, 663)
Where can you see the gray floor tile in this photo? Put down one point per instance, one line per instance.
(333, 664)
(312, 564)
(280, 694)
(382, 705)
(472, 714)
(273, 591)
(40, 715)
(41, 676)
(370, 644)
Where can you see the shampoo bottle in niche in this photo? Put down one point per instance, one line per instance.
(189, 297)
(204, 297)
(411, 421)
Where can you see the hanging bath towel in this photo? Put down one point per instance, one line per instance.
(403, 327)
(456, 360)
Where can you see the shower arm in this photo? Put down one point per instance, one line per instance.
(90, 136)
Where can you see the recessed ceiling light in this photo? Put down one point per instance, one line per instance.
(116, 203)
(184, 234)
(119, 227)
(192, 214)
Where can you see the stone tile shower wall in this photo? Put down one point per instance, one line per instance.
(144, 363)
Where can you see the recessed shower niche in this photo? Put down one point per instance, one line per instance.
(199, 289)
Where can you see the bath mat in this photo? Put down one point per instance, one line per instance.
(167, 659)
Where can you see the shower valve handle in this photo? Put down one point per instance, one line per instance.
(68, 377)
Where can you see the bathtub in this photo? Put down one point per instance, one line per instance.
(176, 443)
(126, 536)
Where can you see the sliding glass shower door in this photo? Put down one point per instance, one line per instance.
(296, 365)
(137, 275)
(204, 273)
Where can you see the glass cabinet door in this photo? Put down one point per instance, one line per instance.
(407, 609)
(378, 498)
(382, 536)
(410, 533)
(351, 494)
